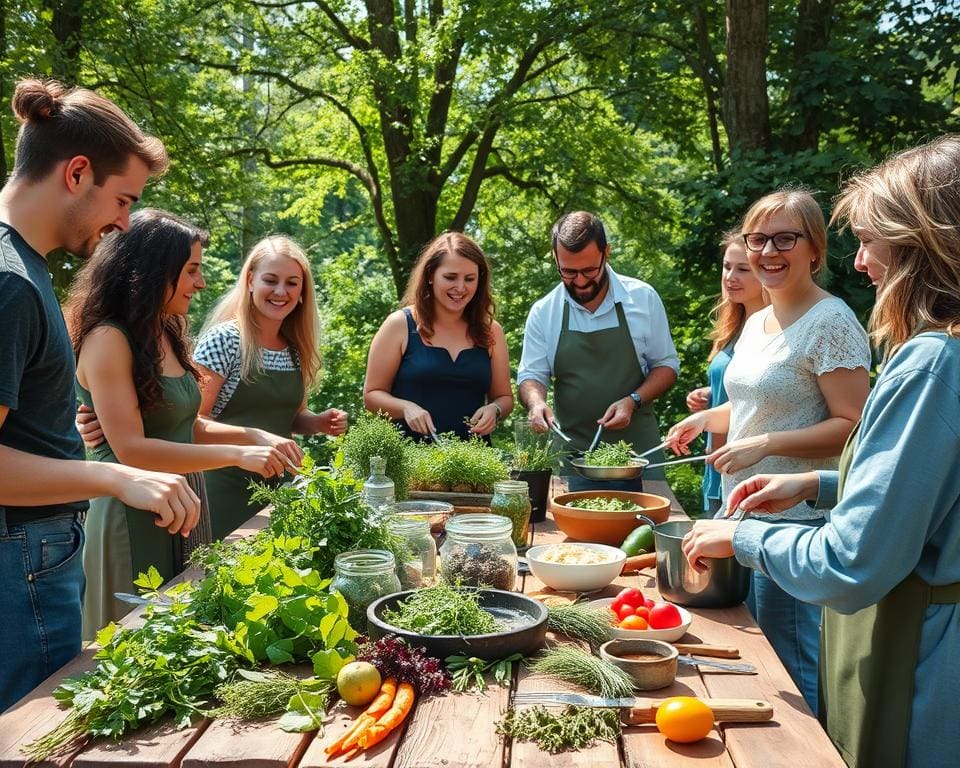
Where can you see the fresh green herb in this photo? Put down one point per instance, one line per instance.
(572, 729)
(260, 694)
(442, 610)
(168, 666)
(467, 672)
(327, 508)
(580, 621)
(277, 609)
(463, 466)
(605, 504)
(535, 457)
(569, 663)
(609, 455)
(511, 500)
(377, 435)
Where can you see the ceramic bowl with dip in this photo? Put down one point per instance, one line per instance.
(575, 567)
(651, 663)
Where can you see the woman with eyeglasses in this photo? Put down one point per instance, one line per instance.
(440, 364)
(886, 566)
(797, 384)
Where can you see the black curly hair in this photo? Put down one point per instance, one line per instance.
(126, 282)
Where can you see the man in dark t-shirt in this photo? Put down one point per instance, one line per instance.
(80, 164)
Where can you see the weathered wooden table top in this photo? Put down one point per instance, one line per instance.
(458, 730)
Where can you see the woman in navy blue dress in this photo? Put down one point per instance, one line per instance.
(440, 364)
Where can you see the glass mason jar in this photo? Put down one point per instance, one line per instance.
(479, 552)
(363, 576)
(378, 489)
(420, 567)
(511, 499)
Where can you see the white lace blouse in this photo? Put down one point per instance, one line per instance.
(772, 384)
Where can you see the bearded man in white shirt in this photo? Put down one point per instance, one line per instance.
(604, 341)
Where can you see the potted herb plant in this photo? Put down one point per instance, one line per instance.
(534, 458)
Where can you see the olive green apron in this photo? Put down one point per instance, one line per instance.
(269, 401)
(123, 542)
(868, 664)
(592, 370)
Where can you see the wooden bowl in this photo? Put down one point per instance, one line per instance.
(656, 669)
(606, 527)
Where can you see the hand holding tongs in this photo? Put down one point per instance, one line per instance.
(596, 438)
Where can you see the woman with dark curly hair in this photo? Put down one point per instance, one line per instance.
(442, 360)
(126, 317)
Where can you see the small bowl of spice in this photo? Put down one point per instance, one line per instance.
(575, 567)
(651, 663)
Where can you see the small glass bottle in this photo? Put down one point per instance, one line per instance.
(378, 489)
(511, 499)
(363, 576)
(479, 552)
(420, 568)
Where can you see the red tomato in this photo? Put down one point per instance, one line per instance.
(664, 616)
(626, 610)
(631, 596)
(641, 611)
(615, 605)
(634, 622)
(648, 602)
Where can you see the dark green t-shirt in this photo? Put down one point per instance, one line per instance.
(37, 367)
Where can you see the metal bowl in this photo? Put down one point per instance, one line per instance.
(627, 472)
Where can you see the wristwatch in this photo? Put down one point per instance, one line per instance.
(637, 400)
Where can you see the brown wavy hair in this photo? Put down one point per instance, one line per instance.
(911, 202)
(58, 123)
(126, 282)
(479, 313)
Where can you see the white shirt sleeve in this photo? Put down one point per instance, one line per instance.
(660, 351)
(536, 358)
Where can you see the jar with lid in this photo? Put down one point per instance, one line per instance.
(378, 489)
(362, 576)
(511, 499)
(479, 552)
(420, 565)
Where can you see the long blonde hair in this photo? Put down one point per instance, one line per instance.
(300, 329)
(911, 202)
(799, 204)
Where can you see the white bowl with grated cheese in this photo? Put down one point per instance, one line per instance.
(580, 567)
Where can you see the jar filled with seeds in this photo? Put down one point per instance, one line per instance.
(479, 552)
(511, 499)
(363, 576)
(420, 564)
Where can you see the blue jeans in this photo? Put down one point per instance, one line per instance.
(41, 589)
(792, 627)
(578, 483)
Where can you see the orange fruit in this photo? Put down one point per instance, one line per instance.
(358, 683)
(633, 622)
(684, 719)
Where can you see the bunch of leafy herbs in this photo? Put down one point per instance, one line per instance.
(255, 694)
(442, 610)
(327, 508)
(170, 665)
(373, 434)
(462, 466)
(580, 621)
(394, 657)
(572, 729)
(468, 671)
(277, 609)
(609, 455)
(535, 457)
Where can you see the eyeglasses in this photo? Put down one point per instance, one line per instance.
(782, 241)
(590, 272)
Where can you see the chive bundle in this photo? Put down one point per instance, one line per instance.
(569, 663)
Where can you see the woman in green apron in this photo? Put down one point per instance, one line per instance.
(259, 353)
(886, 566)
(126, 314)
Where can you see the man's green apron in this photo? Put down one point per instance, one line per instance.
(270, 401)
(591, 371)
(868, 664)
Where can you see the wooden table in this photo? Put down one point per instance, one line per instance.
(458, 730)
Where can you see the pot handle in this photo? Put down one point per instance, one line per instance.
(647, 520)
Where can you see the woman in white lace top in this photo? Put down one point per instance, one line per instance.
(797, 384)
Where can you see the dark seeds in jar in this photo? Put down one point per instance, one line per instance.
(478, 565)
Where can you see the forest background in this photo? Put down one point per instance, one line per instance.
(362, 128)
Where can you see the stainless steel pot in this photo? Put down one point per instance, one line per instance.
(724, 584)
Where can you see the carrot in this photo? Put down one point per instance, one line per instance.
(391, 719)
(370, 716)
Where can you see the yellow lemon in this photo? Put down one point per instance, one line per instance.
(358, 683)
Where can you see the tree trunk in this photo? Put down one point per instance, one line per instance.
(814, 21)
(745, 105)
(66, 24)
(709, 72)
